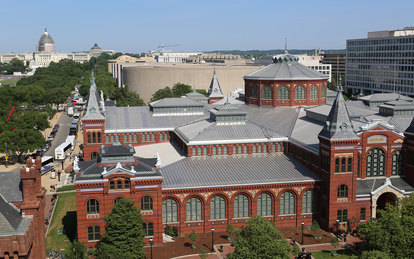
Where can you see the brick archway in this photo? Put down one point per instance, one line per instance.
(389, 191)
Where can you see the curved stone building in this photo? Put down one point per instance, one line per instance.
(46, 43)
(285, 83)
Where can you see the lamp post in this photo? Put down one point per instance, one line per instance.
(212, 239)
(151, 246)
(337, 225)
(302, 233)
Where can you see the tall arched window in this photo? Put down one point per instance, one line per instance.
(397, 163)
(343, 165)
(314, 92)
(119, 184)
(308, 202)
(375, 162)
(287, 203)
(241, 206)
(337, 165)
(169, 211)
(111, 185)
(193, 209)
(146, 203)
(299, 92)
(343, 191)
(255, 91)
(267, 92)
(92, 207)
(218, 208)
(283, 93)
(323, 91)
(264, 205)
(349, 164)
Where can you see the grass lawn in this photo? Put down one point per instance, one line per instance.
(342, 254)
(9, 81)
(64, 217)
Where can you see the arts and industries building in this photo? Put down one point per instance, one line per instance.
(293, 152)
(381, 63)
(45, 53)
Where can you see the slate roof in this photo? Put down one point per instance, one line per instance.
(92, 170)
(10, 217)
(384, 97)
(208, 130)
(141, 119)
(93, 109)
(236, 170)
(338, 124)
(368, 185)
(286, 67)
(117, 149)
(174, 102)
(214, 89)
(10, 186)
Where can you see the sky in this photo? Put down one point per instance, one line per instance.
(136, 26)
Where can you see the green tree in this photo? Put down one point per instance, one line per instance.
(123, 237)
(21, 141)
(193, 237)
(260, 239)
(15, 65)
(203, 253)
(315, 227)
(202, 91)
(374, 254)
(161, 94)
(180, 89)
(229, 230)
(393, 231)
(76, 250)
(334, 242)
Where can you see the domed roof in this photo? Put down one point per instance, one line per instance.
(95, 46)
(286, 67)
(46, 39)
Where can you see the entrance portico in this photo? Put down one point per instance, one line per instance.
(386, 193)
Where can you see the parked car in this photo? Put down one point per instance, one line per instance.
(51, 137)
(55, 128)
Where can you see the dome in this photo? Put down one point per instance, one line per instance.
(46, 43)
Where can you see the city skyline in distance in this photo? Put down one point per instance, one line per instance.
(137, 26)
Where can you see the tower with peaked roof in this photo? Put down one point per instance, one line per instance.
(286, 82)
(214, 93)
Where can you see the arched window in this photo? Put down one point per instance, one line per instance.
(343, 165)
(169, 211)
(214, 151)
(314, 92)
(267, 92)
(92, 207)
(299, 92)
(234, 150)
(283, 93)
(111, 185)
(323, 91)
(94, 155)
(125, 138)
(239, 149)
(397, 163)
(349, 164)
(244, 149)
(119, 184)
(126, 184)
(117, 199)
(343, 191)
(146, 203)
(255, 91)
(337, 165)
(254, 149)
(241, 206)
(193, 151)
(193, 209)
(308, 202)
(218, 208)
(264, 205)
(375, 162)
(287, 203)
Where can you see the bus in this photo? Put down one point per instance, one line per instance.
(62, 150)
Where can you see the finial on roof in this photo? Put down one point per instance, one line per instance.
(45, 29)
(339, 86)
(286, 51)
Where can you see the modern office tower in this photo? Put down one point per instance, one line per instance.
(336, 60)
(383, 62)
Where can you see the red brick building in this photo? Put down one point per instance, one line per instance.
(329, 162)
(22, 233)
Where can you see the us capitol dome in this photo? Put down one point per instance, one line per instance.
(46, 43)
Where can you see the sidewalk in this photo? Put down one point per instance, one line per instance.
(351, 242)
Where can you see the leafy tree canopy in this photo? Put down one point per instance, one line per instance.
(21, 141)
(15, 65)
(124, 235)
(374, 254)
(76, 250)
(161, 94)
(260, 239)
(180, 89)
(393, 231)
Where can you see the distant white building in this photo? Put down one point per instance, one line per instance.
(45, 53)
(171, 57)
(315, 62)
